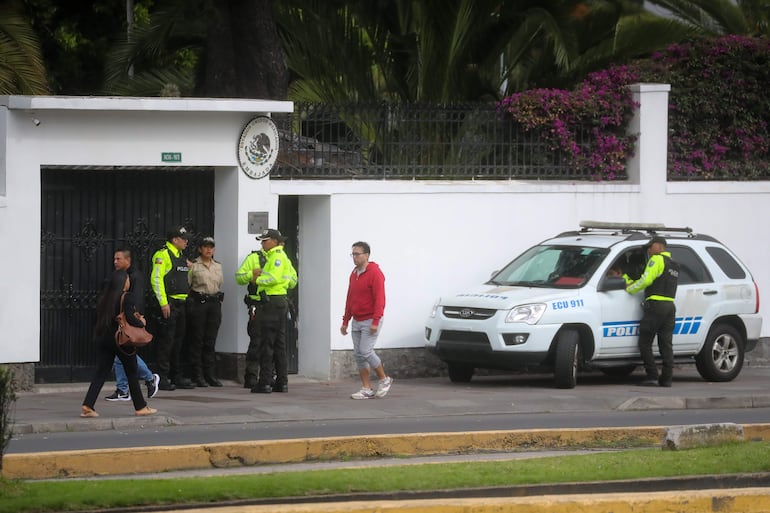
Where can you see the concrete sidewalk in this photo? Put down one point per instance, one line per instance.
(56, 408)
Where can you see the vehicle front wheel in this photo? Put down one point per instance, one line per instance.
(566, 362)
(460, 373)
(721, 357)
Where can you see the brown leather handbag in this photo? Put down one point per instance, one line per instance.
(128, 336)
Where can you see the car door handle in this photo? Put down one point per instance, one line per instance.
(709, 292)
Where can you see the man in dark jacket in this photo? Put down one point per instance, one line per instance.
(122, 262)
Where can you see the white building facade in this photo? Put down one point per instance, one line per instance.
(430, 237)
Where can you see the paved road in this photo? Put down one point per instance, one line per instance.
(48, 419)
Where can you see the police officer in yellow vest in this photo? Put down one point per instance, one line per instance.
(169, 283)
(272, 277)
(659, 282)
(245, 276)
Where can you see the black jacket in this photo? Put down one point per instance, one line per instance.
(129, 307)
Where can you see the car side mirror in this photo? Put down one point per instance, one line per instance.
(612, 283)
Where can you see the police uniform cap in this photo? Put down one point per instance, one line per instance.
(271, 234)
(178, 231)
(208, 241)
(658, 239)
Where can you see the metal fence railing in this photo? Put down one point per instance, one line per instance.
(415, 142)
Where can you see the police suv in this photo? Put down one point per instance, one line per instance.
(558, 307)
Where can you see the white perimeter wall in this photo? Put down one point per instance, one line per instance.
(430, 245)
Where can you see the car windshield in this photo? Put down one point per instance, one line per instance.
(552, 266)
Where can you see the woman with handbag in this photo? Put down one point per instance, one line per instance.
(107, 309)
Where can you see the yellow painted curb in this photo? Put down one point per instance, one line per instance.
(743, 500)
(145, 460)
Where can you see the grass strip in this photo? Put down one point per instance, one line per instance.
(82, 495)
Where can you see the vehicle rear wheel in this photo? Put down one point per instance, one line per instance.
(618, 372)
(460, 373)
(721, 357)
(566, 364)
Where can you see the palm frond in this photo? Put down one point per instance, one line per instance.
(152, 50)
(635, 37)
(21, 63)
(712, 17)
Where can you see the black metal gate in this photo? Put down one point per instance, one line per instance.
(288, 225)
(86, 216)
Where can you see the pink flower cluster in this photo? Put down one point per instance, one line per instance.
(588, 125)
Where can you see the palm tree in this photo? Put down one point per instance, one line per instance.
(21, 64)
(459, 50)
(408, 50)
(201, 48)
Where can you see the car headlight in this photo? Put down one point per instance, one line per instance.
(434, 310)
(530, 314)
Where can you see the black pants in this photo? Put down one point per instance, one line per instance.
(204, 317)
(107, 349)
(170, 341)
(658, 319)
(252, 353)
(272, 333)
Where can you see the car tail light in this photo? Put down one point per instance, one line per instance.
(756, 288)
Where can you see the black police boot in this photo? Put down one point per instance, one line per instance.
(281, 385)
(262, 389)
(200, 382)
(165, 384)
(212, 381)
(184, 383)
(249, 382)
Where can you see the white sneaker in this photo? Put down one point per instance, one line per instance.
(384, 387)
(364, 393)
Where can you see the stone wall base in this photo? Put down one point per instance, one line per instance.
(231, 366)
(419, 363)
(760, 356)
(413, 362)
(401, 363)
(23, 376)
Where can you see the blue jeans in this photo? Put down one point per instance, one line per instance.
(120, 373)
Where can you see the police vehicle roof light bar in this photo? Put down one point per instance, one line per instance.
(627, 227)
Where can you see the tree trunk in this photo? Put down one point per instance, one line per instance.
(244, 56)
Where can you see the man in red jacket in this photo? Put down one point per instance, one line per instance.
(365, 305)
